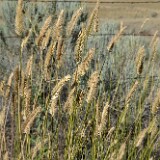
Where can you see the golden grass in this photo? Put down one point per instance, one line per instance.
(58, 26)
(19, 28)
(43, 30)
(47, 60)
(83, 66)
(139, 60)
(55, 94)
(58, 114)
(69, 102)
(73, 21)
(29, 120)
(102, 124)
(115, 38)
(80, 43)
(132, 90)
(92, 84)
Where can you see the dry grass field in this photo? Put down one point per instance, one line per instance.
(133, 15)
(72, 88)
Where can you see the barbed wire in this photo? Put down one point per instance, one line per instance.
(96, 35)
(92, 2)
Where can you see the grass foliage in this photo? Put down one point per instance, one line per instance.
(75, 96)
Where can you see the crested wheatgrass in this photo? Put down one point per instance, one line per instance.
(2, 83)
(69, 102)
(27, 99)
(43, 30)
(103, 119)
(73, 21)
(26, 126)
(2, 116)
(45, 40)
(116, 38)
(132, 90)
(92, 84)
(83, 66)
(19, 20)
(9, 83)
(28, 71)
(55, 94)
(60, 48)
(25, 40)
(139, 60)
(37, 147)
(92, 19)
(48, 58)
(80, 44)
(58, 26)
(156, 103)
(69, 93)
(140, 137)
(154, 38)
(121, 151)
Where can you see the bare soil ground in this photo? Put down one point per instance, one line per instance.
(133, 15)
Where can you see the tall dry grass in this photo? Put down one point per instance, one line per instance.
(49, 114)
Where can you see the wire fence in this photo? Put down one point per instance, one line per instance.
(95, 35)
(154, 78)
(92, 2)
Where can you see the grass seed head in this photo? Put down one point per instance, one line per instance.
(26, 126)
(154, 49)
(156, 103)
(43, 30)
(132, 90)
(69, 102)
(25, 40)
(153, 39)
(2, 84)
(46, 38)
(2, 116)
(60, 48)
(28, 71)
(19, 20)
(92, 84)
(9, 84)
(38, 147)
(103, 119)
(140, 137)
(73, 21)
(139, 60)
(92, 19)
(55, 94)
(83, 66)
(57, 28)
(80, 44)
(116, 38)
(121, 151)
(48, 58)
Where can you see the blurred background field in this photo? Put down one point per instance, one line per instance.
(110, 15)
(131, 14)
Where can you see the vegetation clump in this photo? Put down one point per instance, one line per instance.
(73, 105)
